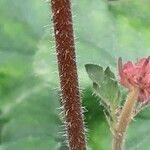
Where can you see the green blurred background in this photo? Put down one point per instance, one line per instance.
(29, 87)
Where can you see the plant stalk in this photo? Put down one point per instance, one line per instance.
(124, 120)
(65, 47)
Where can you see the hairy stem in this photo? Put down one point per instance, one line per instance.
(124, 119)
(63, 28)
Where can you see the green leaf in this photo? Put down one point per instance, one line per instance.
(31, 144)
(32, 122)
(104, 83)
(138, 135)
(95, 73)
(109, 73)
(28, 107)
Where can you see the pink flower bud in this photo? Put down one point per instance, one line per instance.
(136, 75)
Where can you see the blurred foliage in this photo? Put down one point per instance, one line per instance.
(29, 82)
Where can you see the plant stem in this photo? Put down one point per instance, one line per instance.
(63, 28)
(124, 119)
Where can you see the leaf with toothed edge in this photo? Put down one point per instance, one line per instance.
(104, 83)
(95, 73)
(109, 73)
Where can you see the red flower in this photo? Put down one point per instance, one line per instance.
(136, 75)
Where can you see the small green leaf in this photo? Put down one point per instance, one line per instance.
(108, 91)
(104, 83)
(95, 73)
(109, 73)
(97, 91)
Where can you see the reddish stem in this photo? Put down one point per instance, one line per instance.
(63, 28)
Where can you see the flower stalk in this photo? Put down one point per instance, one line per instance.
(65, 47)
(124, 120)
